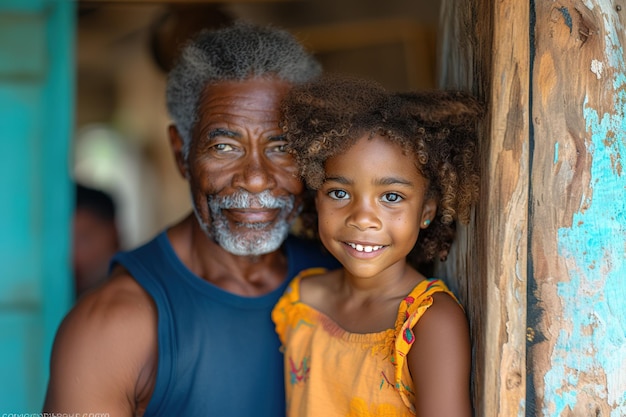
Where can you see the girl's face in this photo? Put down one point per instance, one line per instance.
(371, 207)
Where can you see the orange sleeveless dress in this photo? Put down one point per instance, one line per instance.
(331, 372)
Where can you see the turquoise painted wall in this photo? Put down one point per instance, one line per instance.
(36, 108)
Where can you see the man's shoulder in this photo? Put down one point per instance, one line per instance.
(154, 245)
(153, 255)
(115, 321)
(120, 300)
(299, 245)
(305, 253)
(106, 342)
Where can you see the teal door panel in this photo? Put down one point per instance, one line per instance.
(22, 45)
(21, 383)
(19, 254)
(36, 115)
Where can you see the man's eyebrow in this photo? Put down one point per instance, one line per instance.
(278, 138)
(222, 132)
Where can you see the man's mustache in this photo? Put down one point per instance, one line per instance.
(244, 200)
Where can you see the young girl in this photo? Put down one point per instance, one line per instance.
(378, 338)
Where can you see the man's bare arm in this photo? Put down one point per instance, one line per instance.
(105, 352)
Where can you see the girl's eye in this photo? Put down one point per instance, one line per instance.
(338, 194)
(392, 198)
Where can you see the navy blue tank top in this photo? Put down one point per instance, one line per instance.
(218, 353)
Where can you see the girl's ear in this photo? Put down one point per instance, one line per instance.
(176, 143)
(429, 211)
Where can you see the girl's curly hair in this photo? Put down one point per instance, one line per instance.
(324, 118)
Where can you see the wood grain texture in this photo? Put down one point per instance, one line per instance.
(578, 360)
(485, 49)
(417, 42)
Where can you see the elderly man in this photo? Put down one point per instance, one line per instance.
(183, 326)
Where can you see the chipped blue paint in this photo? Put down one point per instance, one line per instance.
(568, 17)
(556, 153)
(593, 339)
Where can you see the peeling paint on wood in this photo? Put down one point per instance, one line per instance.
(594, 299)
(581, 368)
(575, 183)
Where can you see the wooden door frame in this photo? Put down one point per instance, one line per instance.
(490, 257)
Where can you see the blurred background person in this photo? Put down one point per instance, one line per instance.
(95, 237)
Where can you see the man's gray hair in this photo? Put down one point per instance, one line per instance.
(237, 52)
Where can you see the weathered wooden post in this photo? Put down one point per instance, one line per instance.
(543, 268)
(578, 210)
(485, 49)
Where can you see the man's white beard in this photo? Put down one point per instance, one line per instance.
(257, 238)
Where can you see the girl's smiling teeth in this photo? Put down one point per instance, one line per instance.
(364, 248)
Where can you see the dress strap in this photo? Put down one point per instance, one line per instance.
(411, 309)
(283, 309)
(420, 294)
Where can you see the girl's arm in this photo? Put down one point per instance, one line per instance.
(440, 361)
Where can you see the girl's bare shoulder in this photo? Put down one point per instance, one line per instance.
(316, 288)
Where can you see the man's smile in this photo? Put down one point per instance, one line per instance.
(251, 215)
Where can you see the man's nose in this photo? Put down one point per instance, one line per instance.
(255, 175)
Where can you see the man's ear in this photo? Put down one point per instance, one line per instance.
(429, 211)
(176, 143)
